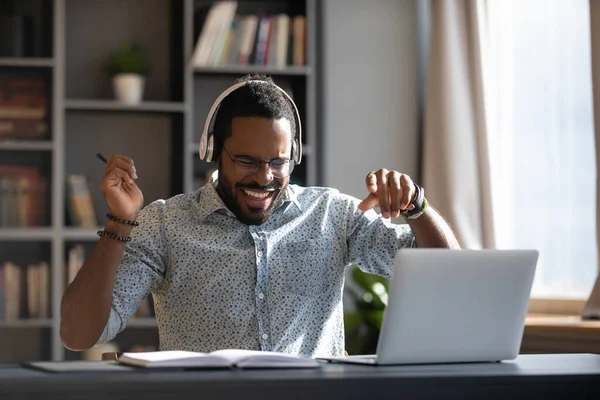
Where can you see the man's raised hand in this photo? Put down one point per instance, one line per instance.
(123, 196)
(391, 191)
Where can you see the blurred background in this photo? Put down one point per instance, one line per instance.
(488, 104)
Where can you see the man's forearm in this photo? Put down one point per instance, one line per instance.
(85, 306)
(431, 230)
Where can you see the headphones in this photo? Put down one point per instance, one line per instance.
(207, 141)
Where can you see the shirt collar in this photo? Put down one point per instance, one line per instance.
(209, 201)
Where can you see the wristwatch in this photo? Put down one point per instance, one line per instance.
(419, 203)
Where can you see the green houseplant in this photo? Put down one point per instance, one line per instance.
(362, 325)
(128, 68)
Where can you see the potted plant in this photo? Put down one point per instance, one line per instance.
(368, 294)
(128, 68)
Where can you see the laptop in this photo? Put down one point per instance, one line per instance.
(453, 306)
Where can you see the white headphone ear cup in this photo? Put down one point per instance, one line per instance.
(202, 147)
(210, 148)
(297, 150)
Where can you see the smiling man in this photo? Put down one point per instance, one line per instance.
(248, 194)
(249, 260)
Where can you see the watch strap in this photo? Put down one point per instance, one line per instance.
(419, 204)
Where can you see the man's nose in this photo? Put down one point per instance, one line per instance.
(264, 176)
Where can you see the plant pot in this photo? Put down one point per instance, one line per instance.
(129, 88)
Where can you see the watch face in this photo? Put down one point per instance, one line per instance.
(421, 211)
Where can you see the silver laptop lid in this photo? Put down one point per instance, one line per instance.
(456, 306)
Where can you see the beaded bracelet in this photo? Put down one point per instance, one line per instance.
(113, 236)
(121, 221)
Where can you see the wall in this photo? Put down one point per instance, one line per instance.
(370, 93)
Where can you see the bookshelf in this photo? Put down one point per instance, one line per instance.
(71, 41)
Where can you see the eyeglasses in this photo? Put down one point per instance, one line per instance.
(246, 165)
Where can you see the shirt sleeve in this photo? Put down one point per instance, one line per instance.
(373, 241)
(141, 271)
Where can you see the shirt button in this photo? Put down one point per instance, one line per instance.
(261, 296)
(260, 253)
(265, 336)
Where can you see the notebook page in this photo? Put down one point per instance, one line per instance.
(173, 358)
(265, 359)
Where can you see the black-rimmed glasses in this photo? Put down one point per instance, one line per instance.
(246, 165)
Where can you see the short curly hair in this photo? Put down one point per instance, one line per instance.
(254, 99)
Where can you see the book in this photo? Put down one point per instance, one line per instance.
(76, 366)
(21, 192)
(80, 206)
(24, 106)
(227, 358)
(14, 293)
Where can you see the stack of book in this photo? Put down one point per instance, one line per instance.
(228, 38)
(22, 196)
(23, 108)
(24, 291)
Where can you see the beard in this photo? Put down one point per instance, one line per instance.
(248, 215)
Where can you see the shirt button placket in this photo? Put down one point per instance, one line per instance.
(261, 285)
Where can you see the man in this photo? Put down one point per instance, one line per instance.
(249, 260)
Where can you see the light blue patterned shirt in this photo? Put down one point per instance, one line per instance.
(217, 283)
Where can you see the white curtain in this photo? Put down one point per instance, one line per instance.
(455, 159)
(592, 306)
(509, 117)
(541, 136)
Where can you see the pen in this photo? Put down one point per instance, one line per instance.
(102, 157)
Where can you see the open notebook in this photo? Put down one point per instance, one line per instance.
(228, 358)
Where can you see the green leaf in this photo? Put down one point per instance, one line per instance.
(370, 299)
(128, 60)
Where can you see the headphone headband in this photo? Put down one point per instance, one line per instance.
(206, 148)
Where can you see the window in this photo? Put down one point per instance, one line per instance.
(541, 138)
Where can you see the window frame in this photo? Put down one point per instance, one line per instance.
(556, 306)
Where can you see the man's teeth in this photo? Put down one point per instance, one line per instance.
(258, 195)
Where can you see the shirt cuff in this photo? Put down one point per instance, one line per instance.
(111, 329)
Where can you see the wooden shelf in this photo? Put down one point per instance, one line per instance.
(26, 234)
(113, 105)
(247, 69)
(84, 234)
(26, 323)
(30, 145)
(26, 62)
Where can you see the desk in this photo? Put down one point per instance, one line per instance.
(529, 376)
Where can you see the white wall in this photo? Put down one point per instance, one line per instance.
(370, 91)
